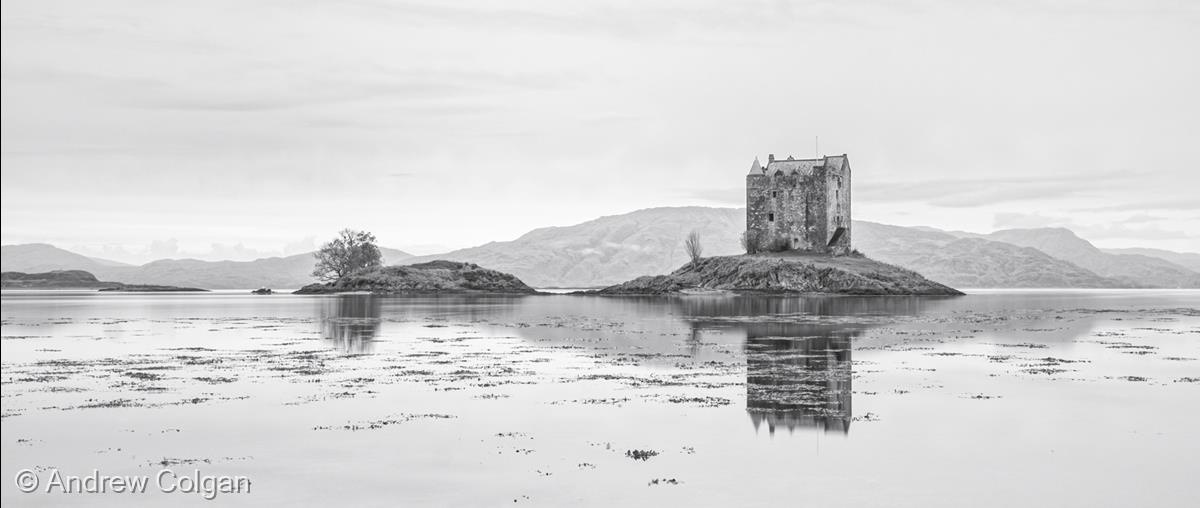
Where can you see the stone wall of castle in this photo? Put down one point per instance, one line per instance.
(838, 213)
(800, 211)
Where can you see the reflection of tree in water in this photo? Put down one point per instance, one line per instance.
(350, 322)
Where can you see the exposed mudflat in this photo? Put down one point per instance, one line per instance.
(1064, 399)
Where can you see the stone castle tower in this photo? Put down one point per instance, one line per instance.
(799, 204)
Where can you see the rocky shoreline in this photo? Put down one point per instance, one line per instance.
(783, 273)
(150, 288)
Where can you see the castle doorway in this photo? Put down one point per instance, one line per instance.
(837, 235)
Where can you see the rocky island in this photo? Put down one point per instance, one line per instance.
(434, 277)
(797, 240)
(58, 279)
(77, 279)
(781, 273)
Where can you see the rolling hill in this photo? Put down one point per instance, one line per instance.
(274, 272)
(1134, 269)
(613, 249)
(1189, 260)
(607, 250)
(43, 257)
(972, 262)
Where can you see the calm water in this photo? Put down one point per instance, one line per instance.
(1082, 398)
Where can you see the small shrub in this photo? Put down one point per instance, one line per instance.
(693, 247)
(750, 241)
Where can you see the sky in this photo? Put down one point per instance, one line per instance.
(234, 129)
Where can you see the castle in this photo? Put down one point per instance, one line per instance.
(799, 204)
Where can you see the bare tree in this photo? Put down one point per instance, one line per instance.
(693, 247)
(750, 241)
(350, 252)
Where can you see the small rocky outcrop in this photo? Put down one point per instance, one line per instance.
(784, 273)
(434, 277)
(151, 288)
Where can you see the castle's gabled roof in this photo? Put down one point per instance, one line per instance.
(756, 168)
(835, 162)
(798, 167)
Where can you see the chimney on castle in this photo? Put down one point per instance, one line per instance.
(770, 157)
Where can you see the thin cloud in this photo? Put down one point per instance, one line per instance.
(1142, 218)
(1180, 204)
(968, 193)
(1118, 230)
(270, 91)
(640, 20)
(423, 86)
(724, 196)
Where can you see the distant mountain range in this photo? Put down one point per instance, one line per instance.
(613, 249)
(43, 257)
(1189, 260)
(274, 272)
(617, 248)
(1132, 269)
(972, 262)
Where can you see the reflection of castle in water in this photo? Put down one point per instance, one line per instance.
(798, 361)
(797, 348)
(350, 322)
(799, 380)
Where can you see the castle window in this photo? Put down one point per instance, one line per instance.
(770, 217)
